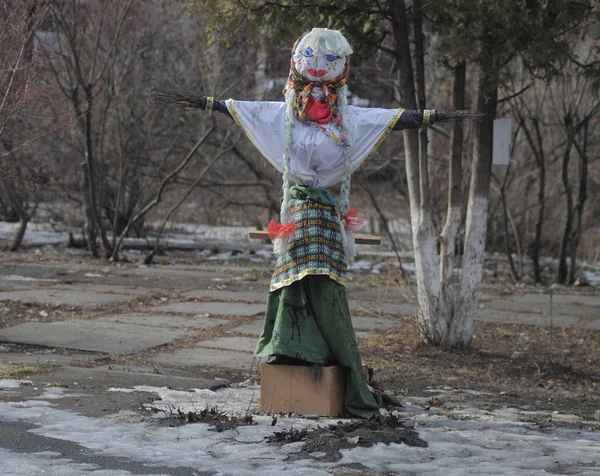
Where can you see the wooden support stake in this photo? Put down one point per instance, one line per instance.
(358, 239)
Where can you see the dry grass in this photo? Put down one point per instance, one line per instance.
(22, 372)
(519, 365)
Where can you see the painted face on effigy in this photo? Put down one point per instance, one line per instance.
(321, 55)
(318, 67)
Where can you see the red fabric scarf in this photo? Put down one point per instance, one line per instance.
(318, 111)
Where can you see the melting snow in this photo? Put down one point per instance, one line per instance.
(236, 401)
(483, 443)
(16, 277)
(10, 383)
(235, 452)
(592, 277)
(49, 463)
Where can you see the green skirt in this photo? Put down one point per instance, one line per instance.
(310, 320)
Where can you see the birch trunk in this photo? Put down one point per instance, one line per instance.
(448, 280)
(462, 321)
(415, 146)
(446, 306)
(260, 74)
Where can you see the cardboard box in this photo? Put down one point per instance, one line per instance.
(289, 388)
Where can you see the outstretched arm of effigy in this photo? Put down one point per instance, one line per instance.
(412, 119)
(184, 99)
(213, 104)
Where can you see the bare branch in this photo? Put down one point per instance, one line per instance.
(158, 196)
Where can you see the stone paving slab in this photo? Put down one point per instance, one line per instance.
(569, 305)
(593, 326)
(86, 299)
(94, 336)
(106, 377)
(171, 272)
(378, 308)
(215, 308)
(251, 296)
(370, 323)
(255, 329)
(127, 269)
(46, 358)
(501, 317)
(238, 344)
(365, 335)
(103, 288)
(151, 278)
(6, 286)
(394, 296)
(207, 356)
(165, 320)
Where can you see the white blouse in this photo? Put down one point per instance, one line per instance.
(316, 159)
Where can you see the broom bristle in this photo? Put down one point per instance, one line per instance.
(174, 98)
(447, 115)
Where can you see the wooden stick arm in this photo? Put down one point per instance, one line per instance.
(358, 239)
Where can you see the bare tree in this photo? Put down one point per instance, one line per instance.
(88, 38)
(19, 125)
(572, 97)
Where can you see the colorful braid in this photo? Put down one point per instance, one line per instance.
(347, 173)
(290, 98)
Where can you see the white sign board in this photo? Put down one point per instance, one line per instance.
(502, 138)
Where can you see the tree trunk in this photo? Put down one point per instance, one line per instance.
(448, 281)
(90, 229)
(539, 225)
(564, 244)
(454, 213)
(424, 243)
(93, 172)
(18, 239)
(431, 316)
(460, 332)
(536, 145)
(260, 74)
(581, 198)
(16, 201)
(506, 232)
(93, 225)
(446, 317)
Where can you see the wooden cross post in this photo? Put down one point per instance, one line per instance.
(358, 239)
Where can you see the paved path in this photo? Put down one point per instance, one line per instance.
(216, 311)
(110, 339)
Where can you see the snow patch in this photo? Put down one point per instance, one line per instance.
(592, 277)
(49, 463)
(476, 442)
(55, 393)
(235, 401)
(11, 383)
(237, 452)
(16, 277)
(123, 390)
